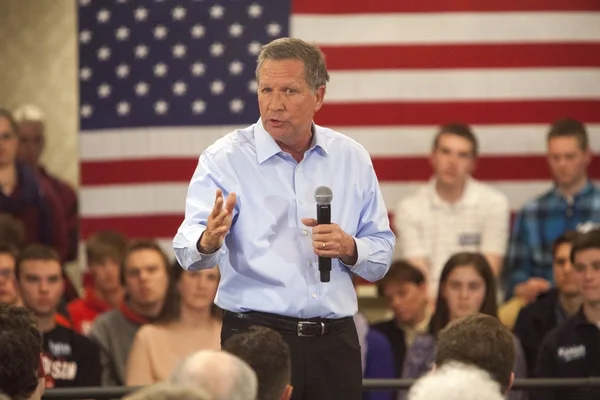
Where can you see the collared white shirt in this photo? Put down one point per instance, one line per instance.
(428, 227)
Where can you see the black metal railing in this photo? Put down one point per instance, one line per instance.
(368, 384)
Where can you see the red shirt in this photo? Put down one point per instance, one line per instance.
(84, 311)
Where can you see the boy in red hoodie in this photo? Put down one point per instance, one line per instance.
(104, 252)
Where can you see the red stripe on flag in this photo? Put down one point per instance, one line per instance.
(396, 169)
(152, 226)
(462, 56)
(473, 112)
(403, 6)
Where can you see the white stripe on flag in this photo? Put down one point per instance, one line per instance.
(444, 28)
(463, 84)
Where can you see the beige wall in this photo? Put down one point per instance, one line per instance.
(38, 64)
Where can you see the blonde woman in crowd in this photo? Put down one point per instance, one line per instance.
(188, 322)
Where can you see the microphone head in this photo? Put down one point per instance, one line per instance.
(323, 195)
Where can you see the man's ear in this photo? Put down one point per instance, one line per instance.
(510, 383)
(287, 393)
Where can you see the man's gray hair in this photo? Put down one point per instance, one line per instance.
(222, 375)
(287, 48)
(165, 391)
(29, 113)
(456, 381)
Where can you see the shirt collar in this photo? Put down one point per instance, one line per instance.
(587, 189)
(468, 197)
(267, 147)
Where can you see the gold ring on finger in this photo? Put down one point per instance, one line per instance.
(323, 245)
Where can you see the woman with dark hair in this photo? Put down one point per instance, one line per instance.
(467, 286)
(189, 321)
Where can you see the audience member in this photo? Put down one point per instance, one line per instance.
(26, 196)
(31, 123)
(553, 307)
(9, 293)
(405, 291)
(187, 323)
(20, 350)
(269, 356)
(481, 341)
(221, 374)
(467, 286)
(454, 212)
(572, 200)
(104, 254)
(455, 381)
(145, 275)
(69, 359)
(163, 391)
(571, 350)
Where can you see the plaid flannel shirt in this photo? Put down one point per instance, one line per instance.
(536, 227)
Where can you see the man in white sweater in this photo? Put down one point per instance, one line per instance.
(454, 212)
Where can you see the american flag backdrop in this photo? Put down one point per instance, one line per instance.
(162, 80)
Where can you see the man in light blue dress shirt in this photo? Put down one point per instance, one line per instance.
(250, 209)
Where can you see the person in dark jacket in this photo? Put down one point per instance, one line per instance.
(571, 349)
(553, 307)
(405, 291)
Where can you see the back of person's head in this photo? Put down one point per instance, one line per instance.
(269, 356)
(20, 350)
(456, 381)
(221, 374)
(165, 391)
(12, 231)
(482, 341)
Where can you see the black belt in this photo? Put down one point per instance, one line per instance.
(309, 327)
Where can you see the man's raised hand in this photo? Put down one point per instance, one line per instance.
(218, 224)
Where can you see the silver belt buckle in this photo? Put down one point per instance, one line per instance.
(302, 323)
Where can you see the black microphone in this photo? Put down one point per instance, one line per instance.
(323, 197)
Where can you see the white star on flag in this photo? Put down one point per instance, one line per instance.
(178, 13)
(161, 107)
(254, 10)
(197, 31)
(141, 89)
(160, 69)
(122, 33)
(236, 106)
(198, 107)
(123, 108)
(104, 90)
(86, 110)
(217, 87)
(160, 32)
(216, 12)
(198, 69)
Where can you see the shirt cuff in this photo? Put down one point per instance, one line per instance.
(362, 250)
